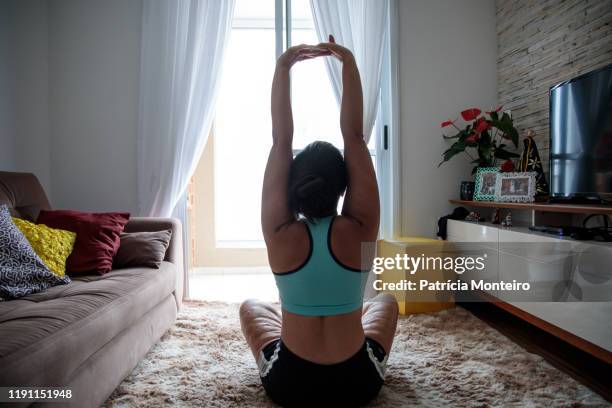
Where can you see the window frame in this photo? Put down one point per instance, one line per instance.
(384, 152)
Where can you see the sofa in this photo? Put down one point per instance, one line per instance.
(88, 335)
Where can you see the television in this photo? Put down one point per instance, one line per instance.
(581, 138)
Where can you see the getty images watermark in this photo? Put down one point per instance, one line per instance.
(459, 265)
(514, 271)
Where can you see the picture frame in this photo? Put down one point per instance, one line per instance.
(486, 181)
(516, 187)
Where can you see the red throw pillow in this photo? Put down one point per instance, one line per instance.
(97, 239)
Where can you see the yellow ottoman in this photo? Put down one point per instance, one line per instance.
(415, 301)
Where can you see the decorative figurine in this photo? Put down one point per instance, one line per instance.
(507, 222)
(473, 216)
(496, 217)
(530, 161)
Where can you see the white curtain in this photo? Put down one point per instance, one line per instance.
(182, 50)
(361, 26)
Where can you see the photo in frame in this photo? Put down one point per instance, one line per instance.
(516, 187)
(486, 180)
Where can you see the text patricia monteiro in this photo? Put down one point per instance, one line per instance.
(450, 285)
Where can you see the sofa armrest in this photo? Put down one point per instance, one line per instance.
(174, 253)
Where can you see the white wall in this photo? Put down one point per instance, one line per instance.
(69, 77)
(448, 52)
(7, 131)
(94, 68)
(29, 98)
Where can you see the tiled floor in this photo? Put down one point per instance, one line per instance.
(232, 284)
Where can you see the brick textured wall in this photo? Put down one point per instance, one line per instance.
(541, 43)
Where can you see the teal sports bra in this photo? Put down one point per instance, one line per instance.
(322, 286)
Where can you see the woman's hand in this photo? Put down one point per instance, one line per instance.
(300, 53)
(338, 51)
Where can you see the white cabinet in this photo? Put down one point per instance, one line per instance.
(518, 254)
(540, 260)
(463, 231)
(590, 321)
(477, 240)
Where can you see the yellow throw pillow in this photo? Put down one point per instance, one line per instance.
(52, 245)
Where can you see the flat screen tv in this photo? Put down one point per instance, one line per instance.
(581, 137)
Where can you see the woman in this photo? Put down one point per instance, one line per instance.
(327, 347)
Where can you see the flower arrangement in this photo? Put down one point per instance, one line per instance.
(484, 134)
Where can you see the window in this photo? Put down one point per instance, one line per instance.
(316, 112)
(243, 122)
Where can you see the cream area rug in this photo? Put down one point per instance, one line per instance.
(449, 358)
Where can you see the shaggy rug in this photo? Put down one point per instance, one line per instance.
(448, 358)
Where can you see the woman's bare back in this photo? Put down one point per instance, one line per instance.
(322, 339)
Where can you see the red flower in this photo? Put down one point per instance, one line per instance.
(499, 108)
(481, 125)
(507, 166)
(447, 123)
(473, 138)
(470, 114)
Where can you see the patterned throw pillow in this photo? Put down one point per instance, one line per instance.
(22, 272)
(52, 245)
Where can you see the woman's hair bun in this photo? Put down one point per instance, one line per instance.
(317, 179)
(308, 185)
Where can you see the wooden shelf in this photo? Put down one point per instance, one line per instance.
(544, 207)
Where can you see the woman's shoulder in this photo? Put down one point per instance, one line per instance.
(346, 242)
(349, 228)
(289, 247)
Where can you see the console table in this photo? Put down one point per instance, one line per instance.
(586, 325)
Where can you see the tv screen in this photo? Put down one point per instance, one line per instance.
(581, 136)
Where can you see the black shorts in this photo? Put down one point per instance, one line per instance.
(291, 381)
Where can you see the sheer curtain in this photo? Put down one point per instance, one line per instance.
(182, 50)
(359, 25)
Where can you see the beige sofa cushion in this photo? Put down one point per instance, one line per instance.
(45, 337)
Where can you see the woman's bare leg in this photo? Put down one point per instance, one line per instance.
(261, 324)
(379, 319)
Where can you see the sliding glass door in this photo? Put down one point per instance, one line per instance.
(261, 30)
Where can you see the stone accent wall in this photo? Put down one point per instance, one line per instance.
(542, 43)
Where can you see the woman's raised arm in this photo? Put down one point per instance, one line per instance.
(275, 204)
(361, 202)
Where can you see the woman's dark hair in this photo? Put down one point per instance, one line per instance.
(317, 180)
